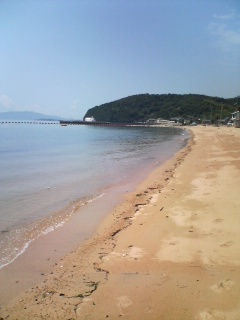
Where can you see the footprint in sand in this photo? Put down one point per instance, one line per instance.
(223, 285)
(211, 315)
(123, 302)
(173, 243)
(135, 252)
(218, 220)
(226, 244)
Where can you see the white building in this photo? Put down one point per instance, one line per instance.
(89, 119)
(236, 118)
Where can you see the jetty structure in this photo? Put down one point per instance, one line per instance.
(149, 123)
(98, 123)
(28, 122)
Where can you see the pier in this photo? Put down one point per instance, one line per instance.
(76, 123)
(104, 124)
(28, 122)
(84, 123)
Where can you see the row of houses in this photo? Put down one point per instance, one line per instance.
(234, 120)
(162, 122)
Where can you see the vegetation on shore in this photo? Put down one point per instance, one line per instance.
(139, 108)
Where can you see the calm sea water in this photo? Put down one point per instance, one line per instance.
(45, 168)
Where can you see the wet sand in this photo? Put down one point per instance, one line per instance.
(171, 250)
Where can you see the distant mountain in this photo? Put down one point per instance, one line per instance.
(152, 106)
(26, 115)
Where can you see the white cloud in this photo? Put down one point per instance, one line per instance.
(6, 104)
(74, 105)
(33, 107)
(74, 109)
(224, 35)
(226, 32)
(228, 16)
(5, 101)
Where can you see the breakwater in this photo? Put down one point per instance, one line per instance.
(28, 122)
(105, 124)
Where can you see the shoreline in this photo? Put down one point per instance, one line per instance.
(11, 274)
(39, 228)
(48, 249)
(45, 249)
(170, 240)
(17, 234)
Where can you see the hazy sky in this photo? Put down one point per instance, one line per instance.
(62, 57)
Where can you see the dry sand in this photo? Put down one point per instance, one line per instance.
(170, 251)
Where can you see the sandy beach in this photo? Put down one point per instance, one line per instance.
(170, 251)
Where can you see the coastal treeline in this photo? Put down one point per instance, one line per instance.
(139, 108)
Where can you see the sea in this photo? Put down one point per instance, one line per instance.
(48, 171)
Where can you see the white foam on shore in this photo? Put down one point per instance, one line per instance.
(97, 197)
(17, 255)
(52, 228)
(18, 252)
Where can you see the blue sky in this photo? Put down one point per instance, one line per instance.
(62, 57)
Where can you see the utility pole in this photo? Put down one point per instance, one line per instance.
(221, 113)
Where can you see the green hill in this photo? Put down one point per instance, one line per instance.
(141, 107)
